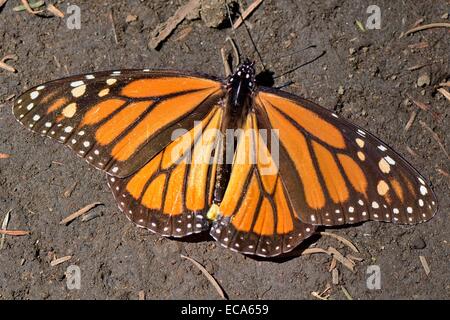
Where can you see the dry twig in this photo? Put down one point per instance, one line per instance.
(111, 18)
(4, 227)
(425, 265)
(435, 137)
(80, 212)
(5, 66)
(347, 294)
(427, 26)
(255, 4)
(55, 11)
(163, 30)
(411, 120)
(348, 263)
(15, 232)
(4, 155)
(210, 278)
(335, 276)
(445, 93)
(60, 260)
(348, 243)
(324, 295)
(69, 191)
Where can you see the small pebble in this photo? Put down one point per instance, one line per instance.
(423, 80)
(131, 18)
(341, 90)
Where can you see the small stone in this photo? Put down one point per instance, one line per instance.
(423, 80)
(131, 18)
(418, 243)
(341, 90)
(352, 50)
(444, 16)
(213, 12)
(365, 49)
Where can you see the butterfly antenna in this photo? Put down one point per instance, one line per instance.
(302, 65)
(251, 38)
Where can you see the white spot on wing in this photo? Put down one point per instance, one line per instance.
(77, 83)
(423, 190)
(389, 160)
(34, 95)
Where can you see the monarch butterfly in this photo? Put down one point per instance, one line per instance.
(329, 172)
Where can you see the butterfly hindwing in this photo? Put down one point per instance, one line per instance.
(117, 120)
(337, 173)
(255, 215)
(172, 192)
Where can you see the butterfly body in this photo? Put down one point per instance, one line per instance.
(161, 137)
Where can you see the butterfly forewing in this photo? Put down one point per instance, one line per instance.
(337, 173)
(117, 120)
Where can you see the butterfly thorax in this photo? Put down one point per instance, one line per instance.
(241, 85)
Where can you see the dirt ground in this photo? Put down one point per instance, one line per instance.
(369, 77)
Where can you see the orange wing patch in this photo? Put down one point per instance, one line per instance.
(197, 187)
(173, 203)
(354, 173)
(156, 87)
(161, 115)
(57, 104)
(255, 207)
(397, 189)
(309, 120)
(296, 145)
(153, 196)
(265, 223)
(109, 131)
(137, 183)
(332, 176)
(284, 220)
(101, 111)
